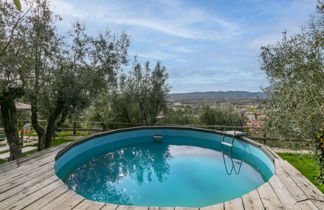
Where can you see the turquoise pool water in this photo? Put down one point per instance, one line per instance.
(188, 168)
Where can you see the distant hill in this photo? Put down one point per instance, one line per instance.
(217, 95)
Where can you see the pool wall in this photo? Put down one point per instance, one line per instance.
(84, 149)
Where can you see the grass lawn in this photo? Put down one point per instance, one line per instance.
(306, 165)
(59, 141)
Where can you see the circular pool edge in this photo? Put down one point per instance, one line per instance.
(266, 150)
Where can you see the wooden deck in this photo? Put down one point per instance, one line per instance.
(31, 183)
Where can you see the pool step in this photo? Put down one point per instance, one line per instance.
(227, 144)
(235, 133)
(157, 138)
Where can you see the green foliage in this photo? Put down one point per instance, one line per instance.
(18, 5)
(59, 141)
(205, 114)
(70, 133)
(294, 67)
(220, 115)
(29, 153)
(10, 63)
(137, 97)
(306, 164)
(319, 156)
(179, 116)
(60, 74)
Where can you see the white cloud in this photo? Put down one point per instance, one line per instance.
(67, 9)
(201, 48)
(269, 39)
(169, 22)
(289, 19)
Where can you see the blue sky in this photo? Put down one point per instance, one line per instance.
(206, 45)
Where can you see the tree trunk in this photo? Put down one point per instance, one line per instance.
(34, 120)
(9, 119)
(51, 125)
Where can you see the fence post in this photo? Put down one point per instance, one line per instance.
(74, 128)
(22, 136)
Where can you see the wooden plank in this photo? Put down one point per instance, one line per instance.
(252, 201)
(109, 206)
(83, 205)
(219, 206)
(295, 190)
(283, 194)
(166, 208)
(17, 174)
(314, 194)
(23, 165)
(95, 205)
(154, 208)
(235, 204)
(25, 169)
(47, 198)
(71, 203)
(291, 186)
(25, 201)
(27, 179)
(89, 205)
(269, 198)
(307, 186)
(185, 208)
(22, 194)
(122, 207)
(16, 163)
(4, 168)
(29, 183)
(308, 204)
(45, 178)
(57, 201)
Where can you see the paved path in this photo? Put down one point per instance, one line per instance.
(25, 149)
(279, 150)
(4, 148)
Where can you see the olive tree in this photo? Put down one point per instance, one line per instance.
(63, 74)
(137, 97)
(295, 72)
(58, 74)
(294, 67)
(220, 115)
(73, 80)
(179, 116)
(11, 64)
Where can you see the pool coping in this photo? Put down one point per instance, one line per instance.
(31, 183)
(264, 148)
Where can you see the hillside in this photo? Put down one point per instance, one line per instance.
(217, 95)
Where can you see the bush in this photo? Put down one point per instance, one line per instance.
(179, 116)
(225, 115)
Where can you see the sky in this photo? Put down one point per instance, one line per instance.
(206, 45)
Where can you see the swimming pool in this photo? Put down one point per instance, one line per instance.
(163, 166)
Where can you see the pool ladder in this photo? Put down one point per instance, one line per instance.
(229, 154)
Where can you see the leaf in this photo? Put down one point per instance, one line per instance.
(17, 3)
